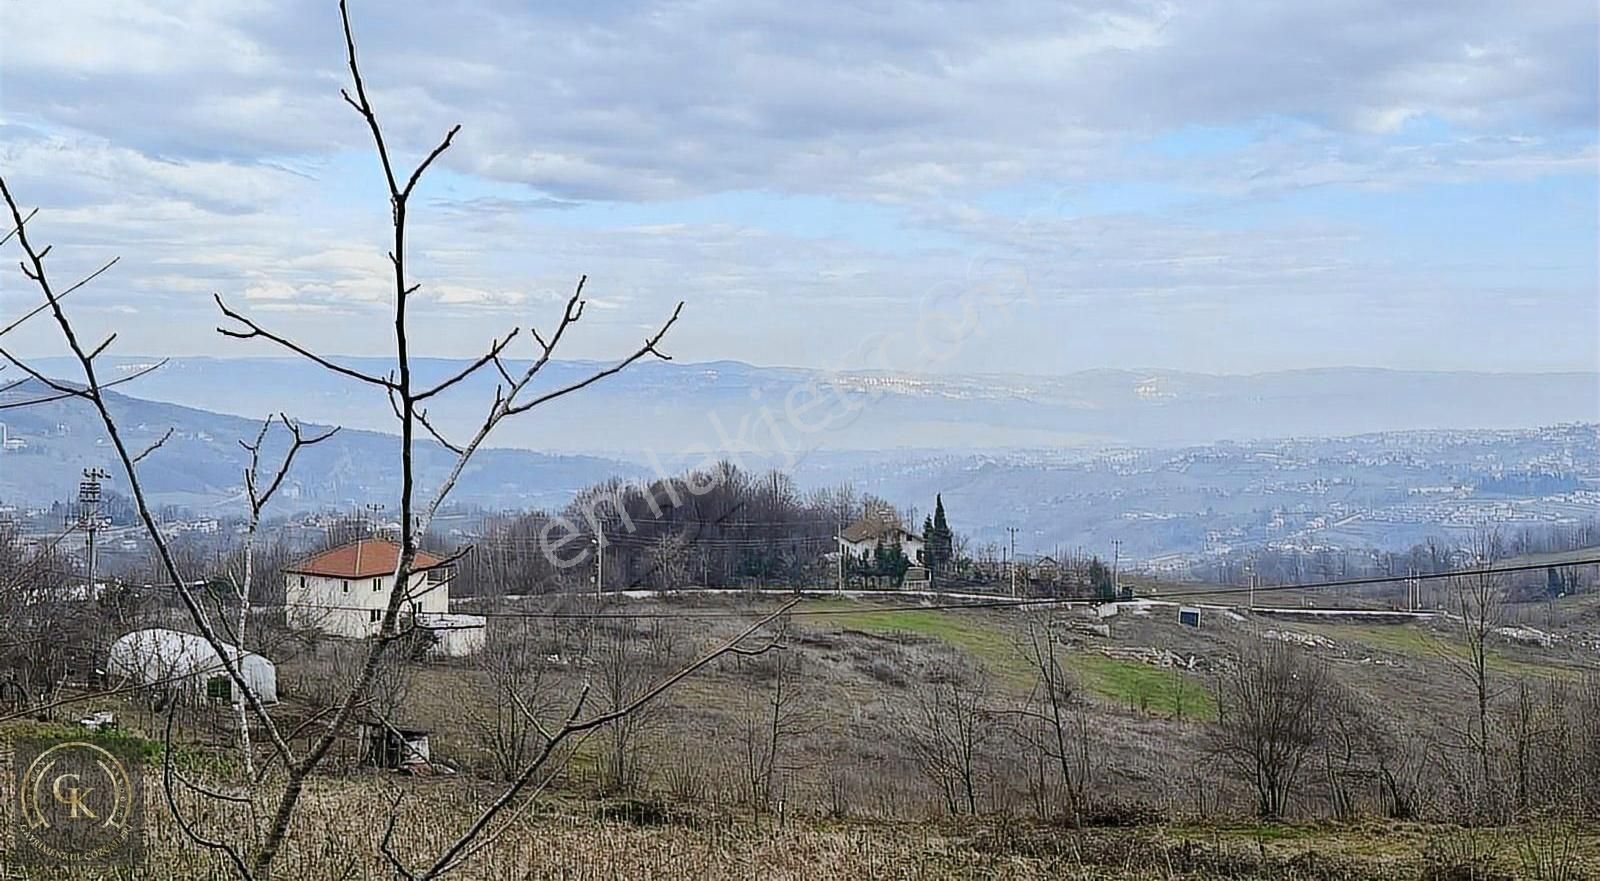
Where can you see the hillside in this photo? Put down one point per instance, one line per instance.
(853, 786)
(202, 464)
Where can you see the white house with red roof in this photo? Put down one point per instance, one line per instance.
(343, 591)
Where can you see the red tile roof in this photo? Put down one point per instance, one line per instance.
(366, 558)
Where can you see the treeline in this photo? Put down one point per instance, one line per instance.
(719, 528)
(1435, 556)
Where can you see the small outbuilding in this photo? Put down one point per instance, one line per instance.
(387, 745)
(454, 636)
(186, 661)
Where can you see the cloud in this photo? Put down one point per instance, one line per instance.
(643, 101)
(208, 145)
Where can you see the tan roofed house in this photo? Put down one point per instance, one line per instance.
(344, 590)
(880, 529)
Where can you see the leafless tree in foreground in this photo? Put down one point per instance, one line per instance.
(259, 488)
(1479, 606)
(409, 401)
(951, 729)
(1054, 721)
(514, 662)
(1268, 717)
(774, 714)
(624, 662)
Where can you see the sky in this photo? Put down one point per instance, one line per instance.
(1042, 187)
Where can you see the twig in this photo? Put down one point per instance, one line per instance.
(152, 448)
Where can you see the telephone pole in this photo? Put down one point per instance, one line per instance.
(90, 519)
(1013, 558)
(375, 510)
(839, 542)
(1116, 557)
(599, 560)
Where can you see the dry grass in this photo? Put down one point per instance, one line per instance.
(337, 835)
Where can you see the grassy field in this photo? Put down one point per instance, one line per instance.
(1421, 642)
(1145, 688)
(986, 640)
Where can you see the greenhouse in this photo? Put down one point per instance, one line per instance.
(170, 657)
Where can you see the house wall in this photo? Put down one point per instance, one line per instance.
(353, 607)
(911, 547)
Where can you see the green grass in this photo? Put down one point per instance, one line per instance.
(980, 638)
(1420, 642)
(1143, 687)
(1150, 689)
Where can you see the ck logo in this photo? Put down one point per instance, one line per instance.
(78, 802)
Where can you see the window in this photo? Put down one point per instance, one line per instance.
(302, 582)
(375, 615)
(347, 586)
(219, 688)
(377, 585)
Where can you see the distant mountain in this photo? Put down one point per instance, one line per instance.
(201, 465)
(672, 408)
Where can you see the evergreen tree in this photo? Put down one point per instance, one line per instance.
(939, 541)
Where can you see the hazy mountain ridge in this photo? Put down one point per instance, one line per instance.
(670, 407)
(201, 464)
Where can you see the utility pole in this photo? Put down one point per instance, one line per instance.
(599, 561)
(839, 542)
(376, 511)
(1116, 557)
(1012, 558)
(89, 518)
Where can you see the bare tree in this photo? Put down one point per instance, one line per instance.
(36, 604)
(1478, 599)
(259, 488)
(951, 729)
(1345, 747)
(624, 664)
(1267, 708)
(1054, 721)
(1402, 762)
(514, 663)
(773, 715)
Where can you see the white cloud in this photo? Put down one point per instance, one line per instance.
(207, 144)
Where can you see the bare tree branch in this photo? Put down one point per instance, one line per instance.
(75, 393)
(649, 348)
(153, 447)
(18, 226)
(256, 330)
(43, 306)
(495, 348)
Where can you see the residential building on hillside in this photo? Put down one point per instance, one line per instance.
(343, 591)
(880, 529)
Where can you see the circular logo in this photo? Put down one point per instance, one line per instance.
(77, 802)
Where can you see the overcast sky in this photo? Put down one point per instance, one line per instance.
(1226, 187)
